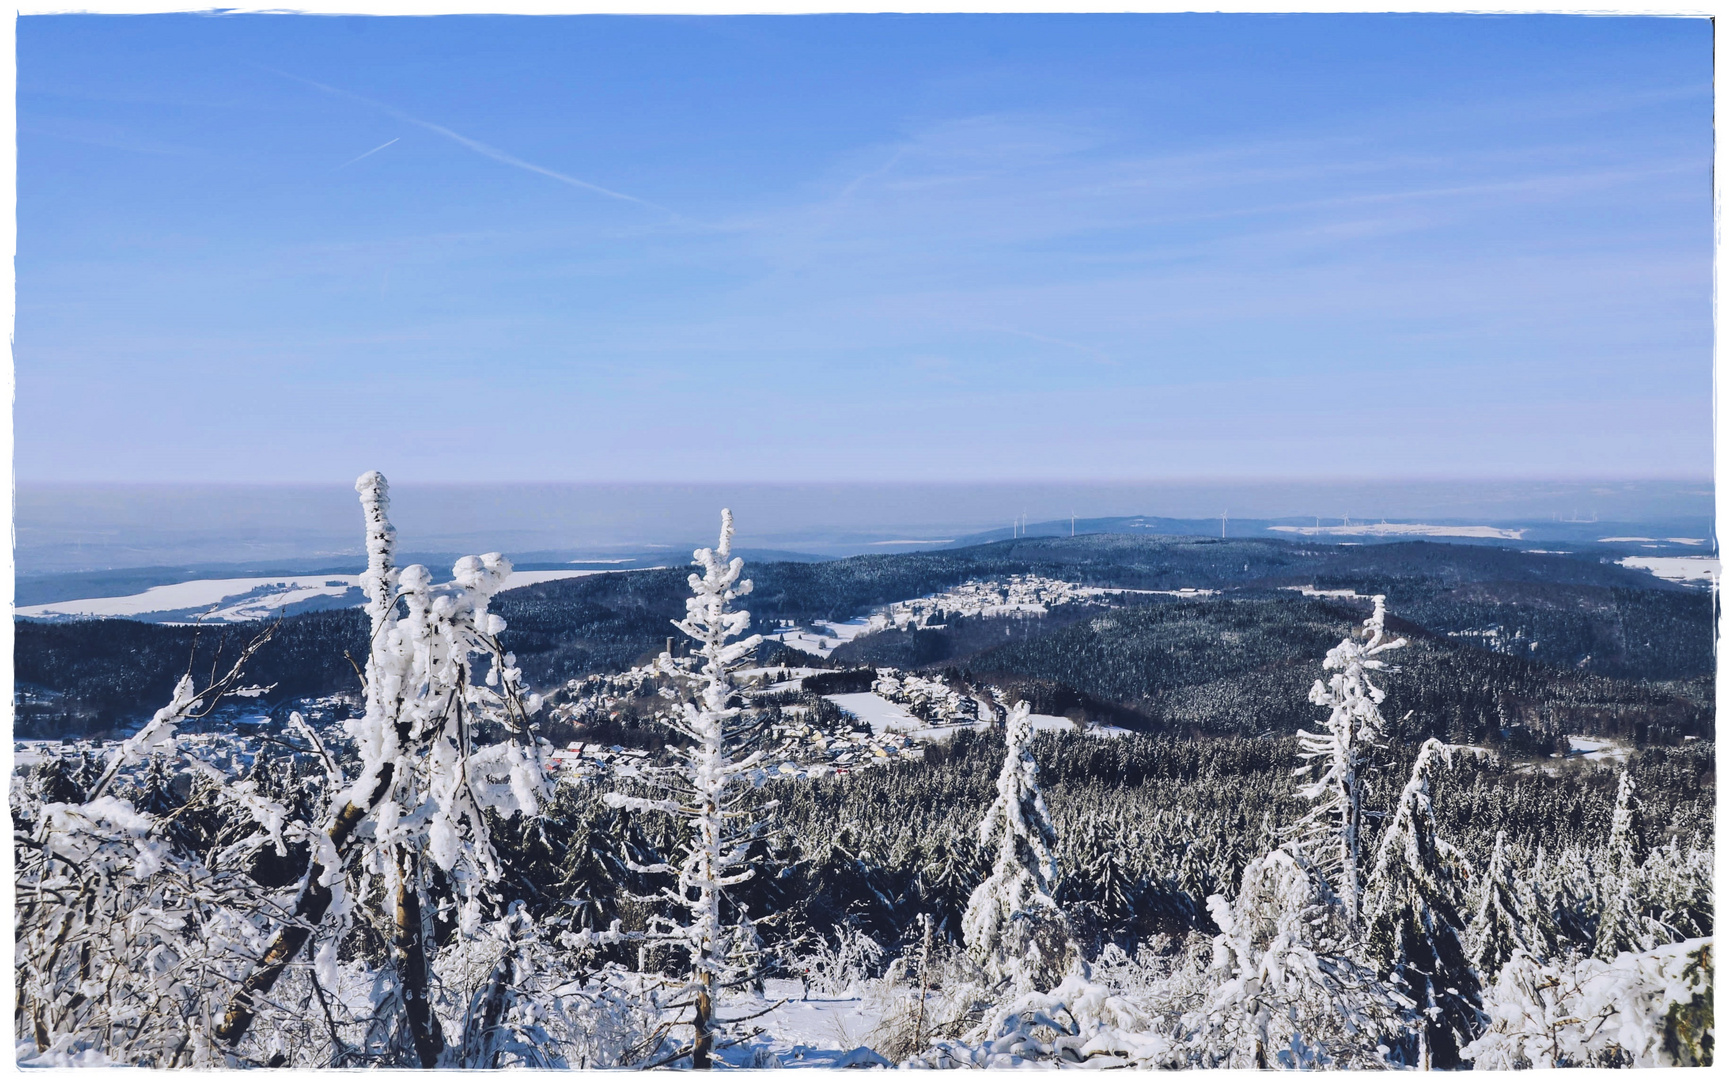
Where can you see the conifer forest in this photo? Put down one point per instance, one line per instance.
(1093, 801)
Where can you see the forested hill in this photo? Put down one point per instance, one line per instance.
(1559, 643)
(1406, 572)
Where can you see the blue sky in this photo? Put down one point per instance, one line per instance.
(862, 248)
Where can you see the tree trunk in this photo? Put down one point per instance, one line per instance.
(699, 1058)
(309, 910)
(408, 949)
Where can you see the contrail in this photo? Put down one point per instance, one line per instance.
(368, 154)
(473, 144)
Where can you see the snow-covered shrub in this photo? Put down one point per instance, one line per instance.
(839, 967)
(127, 945)
(1289, 994)
(149, 939)
(1651, 1008)
(424, 780)
(1076, 1022)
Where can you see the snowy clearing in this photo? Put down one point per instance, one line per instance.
(233, 599)
(1596, 749)
(245, 599)
(881, 714)
(815, 1033)
(826, 636)
(1476, 532)
(1681, 568)
(1337, 594)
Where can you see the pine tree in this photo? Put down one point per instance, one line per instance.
(704, 789)
(947, 879)
(1012, 923)
(1497, 927)
(1621, 922)
(1330, 835)
(1107, 882)
(1414, 934)
(1290, 994)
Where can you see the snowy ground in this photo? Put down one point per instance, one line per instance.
(880, 713)
(1339, 594)
(1596, 749)
(244, 599)
(816, 1033)
(885, 716)
(824, 637)
(777, 679)
(1683, 568)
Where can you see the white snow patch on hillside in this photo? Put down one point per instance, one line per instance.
(234, 599)
(1596, 749)
(244, 599)
(1044, 722)
(1339, 594)
(1677, 567)
(522, 578)
(880, 713)
(824, 637)
(1477, 532)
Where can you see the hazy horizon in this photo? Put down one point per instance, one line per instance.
(72, 527)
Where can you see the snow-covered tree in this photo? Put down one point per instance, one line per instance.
(1330, 835)
(1012, 923)
(423, 779)
(705, 790)
(1288, 992)
(1621, 923)
(1099, 876)
(1497, 928)
(1413, 931)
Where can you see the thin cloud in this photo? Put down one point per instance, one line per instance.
(472, 144)
(366, 155)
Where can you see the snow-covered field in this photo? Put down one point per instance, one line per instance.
(1597, 749)
(824, 637)
(1475, 532)
(882, 715)
(1682, 568)
(1337, 594)
(244, 599)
